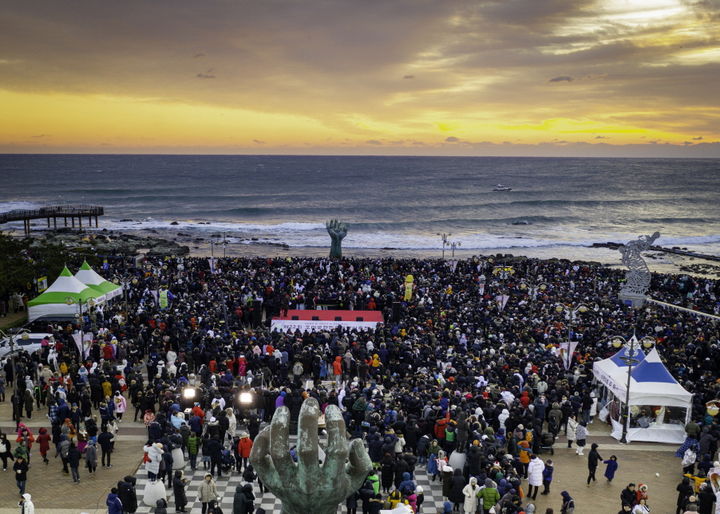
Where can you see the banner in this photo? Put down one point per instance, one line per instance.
(289, 325)
(84, 346)
(567, 360)
(502, 300)
(163, 299)
(408, 288)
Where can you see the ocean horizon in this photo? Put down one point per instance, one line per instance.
(395, 202)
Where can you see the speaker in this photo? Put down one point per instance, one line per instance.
(359, 318)
(316, 318)
(296, 318)
(338, 318)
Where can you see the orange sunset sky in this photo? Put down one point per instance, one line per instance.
(505, 77)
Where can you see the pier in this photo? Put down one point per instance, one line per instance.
(63, 212)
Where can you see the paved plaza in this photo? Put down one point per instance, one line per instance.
(54, 492)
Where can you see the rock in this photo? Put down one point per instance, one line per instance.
(174, 223)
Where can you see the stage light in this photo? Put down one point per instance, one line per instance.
(189, 393)
(245, 398)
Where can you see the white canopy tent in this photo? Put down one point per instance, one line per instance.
(659, 406)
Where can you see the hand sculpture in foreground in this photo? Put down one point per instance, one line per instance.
(307, 487)
(337, 231)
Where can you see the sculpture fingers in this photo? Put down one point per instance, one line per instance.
(359, 465)
(279, 450)
(337, 449)
(262, 461)
(307, 445)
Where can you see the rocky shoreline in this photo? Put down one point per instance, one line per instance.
(158, 242)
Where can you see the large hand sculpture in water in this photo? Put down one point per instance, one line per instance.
(337, 232)
(309, 487)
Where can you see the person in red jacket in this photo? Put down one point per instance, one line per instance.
(243, 449)
(337, 369)
(44, 439)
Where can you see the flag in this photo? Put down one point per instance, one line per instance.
(502, 300)
(564, 352)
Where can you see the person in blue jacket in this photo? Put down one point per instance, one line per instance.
(611, 468)
(113, 502)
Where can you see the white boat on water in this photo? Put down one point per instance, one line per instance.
(501, 187)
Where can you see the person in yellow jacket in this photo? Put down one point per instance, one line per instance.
(394, 498)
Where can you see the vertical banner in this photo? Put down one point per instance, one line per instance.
(163, 299)
(409, 280)
(502, 300)
(566, 360)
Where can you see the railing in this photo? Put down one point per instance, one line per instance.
(52, 212)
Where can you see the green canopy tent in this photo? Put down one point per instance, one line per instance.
(62, 299)
(88, 276)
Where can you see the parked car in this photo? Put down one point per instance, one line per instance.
(29, 342)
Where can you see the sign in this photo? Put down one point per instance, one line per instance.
(318, 326)
(408, 288)
(320, 320)
(41, 284)
(163, 299)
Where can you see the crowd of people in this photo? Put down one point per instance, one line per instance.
(464, 378)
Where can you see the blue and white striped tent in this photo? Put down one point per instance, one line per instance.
(651, 386)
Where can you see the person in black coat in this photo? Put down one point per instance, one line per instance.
(387, 472)
(685, 490)
(127, 495)
(214, 449)
(351, 503)
(178, 486)
(593, 459)
(73, 459)
(706, 497)
(456, 489)
(243, 501)
(401, 466)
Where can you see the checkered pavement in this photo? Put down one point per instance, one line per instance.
(227, 483)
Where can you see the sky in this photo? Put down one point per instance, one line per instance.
(625, 78)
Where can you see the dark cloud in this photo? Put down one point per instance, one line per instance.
(601, 137)
(699, 138)
(452, 139)
(197, 56)
(409, 77)
(258, 141)
(205, 76)
(373, 142)
(561, 78)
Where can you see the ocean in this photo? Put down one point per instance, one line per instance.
(405, 203)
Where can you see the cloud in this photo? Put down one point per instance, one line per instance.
(452, 139)
(258, 141)
(480, 63)
(699, 138)
(207, 75)
(39, 136)
(601, 137)
(373, 142)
